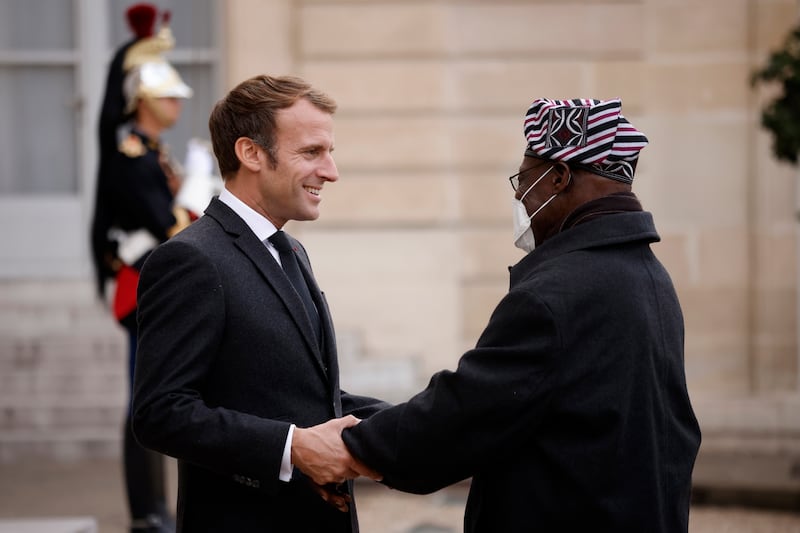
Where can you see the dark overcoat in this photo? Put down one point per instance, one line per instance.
(227, 361)
(571, 414)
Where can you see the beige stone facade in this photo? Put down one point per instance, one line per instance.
(414, 241)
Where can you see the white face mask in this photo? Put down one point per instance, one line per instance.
(523, 232)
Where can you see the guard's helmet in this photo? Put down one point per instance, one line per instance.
(148, 73)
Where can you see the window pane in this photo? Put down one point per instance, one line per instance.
(36, 25)
(191, 22)
(38, 135)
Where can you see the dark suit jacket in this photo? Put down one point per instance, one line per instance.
(227, 360)
(571, 414)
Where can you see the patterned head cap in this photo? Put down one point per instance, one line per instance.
(591, 134)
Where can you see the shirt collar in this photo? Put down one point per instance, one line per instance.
(257, 222)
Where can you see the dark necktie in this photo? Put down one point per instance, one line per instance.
(292, 270)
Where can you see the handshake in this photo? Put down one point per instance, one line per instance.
(322, 456)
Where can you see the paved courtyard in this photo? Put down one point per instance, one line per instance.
(94, 488)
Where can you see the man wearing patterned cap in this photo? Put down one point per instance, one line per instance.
(571, 414)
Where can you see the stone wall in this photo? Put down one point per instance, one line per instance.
(414, 240)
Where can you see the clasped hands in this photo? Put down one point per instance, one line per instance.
(321, 455)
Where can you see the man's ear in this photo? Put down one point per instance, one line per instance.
(247, 152)
(562, 177)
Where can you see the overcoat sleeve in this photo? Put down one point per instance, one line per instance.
(361, 406)
(181, 316)
(468, 419)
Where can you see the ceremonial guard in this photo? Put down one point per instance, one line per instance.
(135, 211)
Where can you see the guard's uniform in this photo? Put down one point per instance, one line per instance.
(141, 201)
(134, 213)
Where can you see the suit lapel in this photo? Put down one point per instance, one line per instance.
(256, 251)
(328, 347)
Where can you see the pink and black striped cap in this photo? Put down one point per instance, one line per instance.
(587, 133)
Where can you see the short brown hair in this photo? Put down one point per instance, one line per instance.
(249, 110)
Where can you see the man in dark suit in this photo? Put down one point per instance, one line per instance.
(237, 371)
(571, 414)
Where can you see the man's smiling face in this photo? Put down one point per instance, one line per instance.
(291, 187)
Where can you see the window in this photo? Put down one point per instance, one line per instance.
(38, 61)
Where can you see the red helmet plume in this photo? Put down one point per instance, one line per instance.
(141, 18)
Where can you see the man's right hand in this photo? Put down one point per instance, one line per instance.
(320, 453)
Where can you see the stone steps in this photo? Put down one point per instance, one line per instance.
(63, 372)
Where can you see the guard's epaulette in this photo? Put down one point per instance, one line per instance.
(132, 146)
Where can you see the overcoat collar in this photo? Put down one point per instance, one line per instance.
(244, 239)
(604, 231)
